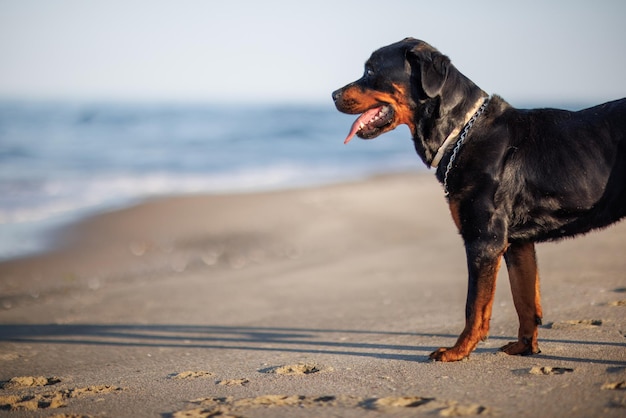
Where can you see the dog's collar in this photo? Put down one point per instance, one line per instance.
(472, 114)
(460, 142)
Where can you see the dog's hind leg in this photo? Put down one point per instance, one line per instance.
(522, 266)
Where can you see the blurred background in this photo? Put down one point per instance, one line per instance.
(106, 103)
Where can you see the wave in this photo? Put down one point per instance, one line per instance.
(61, 197)
(61, 162)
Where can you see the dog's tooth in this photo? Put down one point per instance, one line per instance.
(362, 125)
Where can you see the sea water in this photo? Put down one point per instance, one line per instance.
(60, 162)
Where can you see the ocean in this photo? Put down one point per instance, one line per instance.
(60, 162)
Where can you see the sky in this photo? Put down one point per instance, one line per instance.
(544, 52)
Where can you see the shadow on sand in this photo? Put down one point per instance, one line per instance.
(296, 340)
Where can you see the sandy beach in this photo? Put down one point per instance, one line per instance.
(316, 302)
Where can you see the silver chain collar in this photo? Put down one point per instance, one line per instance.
(460, 142)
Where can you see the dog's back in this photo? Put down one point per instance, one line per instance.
(564, 172)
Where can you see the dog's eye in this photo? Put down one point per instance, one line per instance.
(369, 72)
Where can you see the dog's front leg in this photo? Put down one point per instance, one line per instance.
(483, 264)
(522, 266)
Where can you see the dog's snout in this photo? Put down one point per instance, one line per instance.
(337, 95)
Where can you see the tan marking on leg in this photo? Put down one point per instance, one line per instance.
(477, 324)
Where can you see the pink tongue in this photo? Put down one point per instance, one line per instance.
(364, 118)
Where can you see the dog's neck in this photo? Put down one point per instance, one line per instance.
(451, 138)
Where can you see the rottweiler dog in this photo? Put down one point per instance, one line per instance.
(512, 177)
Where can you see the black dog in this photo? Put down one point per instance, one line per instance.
(512, 177)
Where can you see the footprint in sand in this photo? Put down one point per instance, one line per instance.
(91, 390)
(29, 381)
(230, 407)
(395, 401)
(457, 410)
(546, 370)
(191, 375)
(49, 400)
(233, 382)
(615, 386)
(294, 369)
(576, 323)
(32, 402)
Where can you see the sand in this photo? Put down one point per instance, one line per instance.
(305, 303)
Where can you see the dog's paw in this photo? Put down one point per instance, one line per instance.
(521, 348)
(448, 354)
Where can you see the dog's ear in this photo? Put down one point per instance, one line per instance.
(433, 67)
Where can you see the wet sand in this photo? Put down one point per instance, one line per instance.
(313, 302)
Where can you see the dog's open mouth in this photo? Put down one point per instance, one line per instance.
(371, 123)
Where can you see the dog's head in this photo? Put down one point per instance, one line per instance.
(412, 83)
(387, 94)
